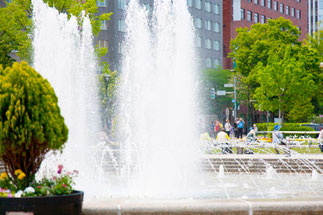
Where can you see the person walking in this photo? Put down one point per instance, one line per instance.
(227, 127)
(240, 128)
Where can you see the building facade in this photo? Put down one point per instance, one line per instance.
(315, 15)
(207, 17)
(244, 13)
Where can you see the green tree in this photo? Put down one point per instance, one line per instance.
(30, 122)
(108, 82)
(285, 85)
(16, 24)
(316, 42)
(263, 48)
(215, 78)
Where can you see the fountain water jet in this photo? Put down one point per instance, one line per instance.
(159, 147)
(64, 55)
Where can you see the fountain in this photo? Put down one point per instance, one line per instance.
(160, 160)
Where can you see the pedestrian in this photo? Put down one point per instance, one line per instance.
(320, 140)
(217, 128)
(278, 139)
(240, 128)
(227, 127)
(235, 128)
(211, 129)
(223, 139)
(255, 128)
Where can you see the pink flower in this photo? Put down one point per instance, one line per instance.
(10, 195)
(60, 167)
(54, 178)
(64, 185)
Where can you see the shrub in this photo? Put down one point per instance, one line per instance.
(286, 127)
(30, 122)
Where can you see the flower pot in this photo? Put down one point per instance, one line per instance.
(43, 205)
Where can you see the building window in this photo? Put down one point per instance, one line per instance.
(198, 4)
(263, 19)
(256, 17)
(281, 7)
(249, 16)
(208, 25)
(198, 22)
(275, 6)
(216, 8)
(121, 4)
(287, 10)
(263, 3)
(216, 45)
(103, 43)
(216, 63)
(216, 27)
(199, 42)
(104, 25)
(208, 62)
(121, 25)
(242, 14)
(249, 0)
(102, 3)
(269, 4)
(256, 1)
(293, 12)
(208, 7)
(190, 3)
(298, 14)
(208, 44)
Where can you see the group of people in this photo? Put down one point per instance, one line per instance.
(235, 130)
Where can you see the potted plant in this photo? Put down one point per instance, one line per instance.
(31, 125)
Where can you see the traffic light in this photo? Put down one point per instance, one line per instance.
(212, 93)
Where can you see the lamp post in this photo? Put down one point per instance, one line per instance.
(235, 96)
(106, 80)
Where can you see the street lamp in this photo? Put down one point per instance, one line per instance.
(235, 95)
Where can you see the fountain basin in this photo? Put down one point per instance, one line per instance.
(205, 206)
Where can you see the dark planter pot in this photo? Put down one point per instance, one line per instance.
(46, 205)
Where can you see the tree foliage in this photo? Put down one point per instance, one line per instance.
(215, 78)
(16, 24)
(30, 120)
(108, 83)
(276, 68)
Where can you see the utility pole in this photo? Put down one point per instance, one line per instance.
(235, 98)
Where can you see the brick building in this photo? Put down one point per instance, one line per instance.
(244, 13)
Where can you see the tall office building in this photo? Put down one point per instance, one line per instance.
(244, 13)
(315, 15)
(207, 17)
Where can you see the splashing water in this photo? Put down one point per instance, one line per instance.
(64, 55)
(159, 146)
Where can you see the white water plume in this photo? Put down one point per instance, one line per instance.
(160, 146)
(64, 55)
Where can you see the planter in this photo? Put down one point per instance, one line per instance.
(43, 205)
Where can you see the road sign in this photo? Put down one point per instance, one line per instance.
(220, 92)
(228, 85)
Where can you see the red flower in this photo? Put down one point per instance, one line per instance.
(60, 167)
(64, 185)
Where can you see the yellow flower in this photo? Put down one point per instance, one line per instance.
(18, 172)
(21, 176)
(3, 176)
